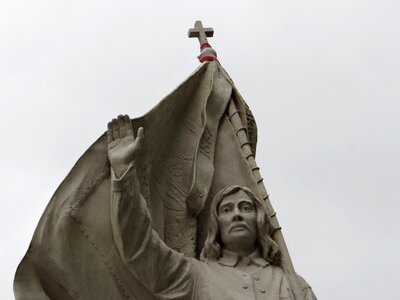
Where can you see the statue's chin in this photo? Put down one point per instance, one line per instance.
(238, 237)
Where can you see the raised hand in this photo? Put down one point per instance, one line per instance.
(123, 147)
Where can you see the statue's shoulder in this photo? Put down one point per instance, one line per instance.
(307, 290)
(275, 270)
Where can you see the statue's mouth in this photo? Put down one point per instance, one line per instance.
(239, 227)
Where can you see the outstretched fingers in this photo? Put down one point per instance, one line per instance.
(121, 125)
(140, 133)
(140, 139)
(128, 125)
(109, 133)
(115, 129)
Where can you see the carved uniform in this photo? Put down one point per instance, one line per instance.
(171, 275)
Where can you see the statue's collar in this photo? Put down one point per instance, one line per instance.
(232, 259)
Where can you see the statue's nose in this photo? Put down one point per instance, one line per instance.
(237, 215)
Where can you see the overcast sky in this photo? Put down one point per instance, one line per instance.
(321, 77)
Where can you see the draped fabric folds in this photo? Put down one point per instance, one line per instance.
(191, 153)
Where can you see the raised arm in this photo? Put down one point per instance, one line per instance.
(162, 270)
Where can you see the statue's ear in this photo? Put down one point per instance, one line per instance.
(267, 223)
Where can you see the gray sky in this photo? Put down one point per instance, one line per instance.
(321, 77)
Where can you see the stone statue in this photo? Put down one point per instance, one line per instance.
(238, 253)
(188, 217)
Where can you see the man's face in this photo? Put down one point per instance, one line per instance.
(237, 220)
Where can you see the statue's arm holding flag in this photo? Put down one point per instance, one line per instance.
(158, 267)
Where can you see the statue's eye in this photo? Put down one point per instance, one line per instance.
(226, 209)
(247, 208)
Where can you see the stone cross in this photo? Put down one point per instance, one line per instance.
(200, 32)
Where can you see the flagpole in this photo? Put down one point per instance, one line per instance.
(286, 262)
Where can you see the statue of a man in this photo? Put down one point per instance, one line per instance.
(238, 252)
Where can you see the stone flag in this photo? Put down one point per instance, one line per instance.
(191, 153)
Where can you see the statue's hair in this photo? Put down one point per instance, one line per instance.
(212, 246)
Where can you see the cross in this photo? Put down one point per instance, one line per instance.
(200, 32)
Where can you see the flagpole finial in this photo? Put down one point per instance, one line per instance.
(207, 52)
